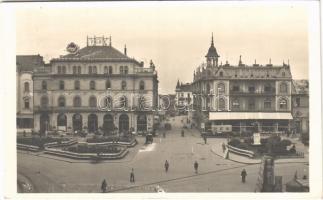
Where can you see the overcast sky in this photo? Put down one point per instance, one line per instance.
(175, 36)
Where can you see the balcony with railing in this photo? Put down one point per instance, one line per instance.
(139, 70)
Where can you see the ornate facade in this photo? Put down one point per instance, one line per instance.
(25, 65)
(241, 95)
(95, 87)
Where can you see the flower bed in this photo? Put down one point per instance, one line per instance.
(84, 148)
(40, 141)
(128, 141)
(272, 145)
(84, 151)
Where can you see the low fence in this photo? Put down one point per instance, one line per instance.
(242, 152)
(27, 147)
(87, 156)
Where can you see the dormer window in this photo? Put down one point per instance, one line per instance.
(283, 74)
(221, 74)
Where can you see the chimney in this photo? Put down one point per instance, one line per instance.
(125, 50)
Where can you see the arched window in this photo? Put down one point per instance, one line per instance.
(77, 101)
(123, 85)
(44, 101)
(92, 85)
(108, 84)
(79, 70)
(283, 104)
(44, 85)
(74, 70)
(221, 104)
(125, 69)
(26, 101)
(90, 69)
(110, 70)
(63, 70)
(92, 101)
(106, 70)
(283, 88)
(141, 103)
(77, 85)
(26, 87)
(94, 70)
(267, 103)
(61, 101)
(221, 88)
(121, 69)
(61, 85)
(59, 69)
(142, 85)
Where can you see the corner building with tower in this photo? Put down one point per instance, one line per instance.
(95, 88)
(242, 97)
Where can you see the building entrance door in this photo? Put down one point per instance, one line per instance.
(77, 122)
(123, 123)
(92, 123)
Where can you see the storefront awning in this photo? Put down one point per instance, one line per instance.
(248, 115)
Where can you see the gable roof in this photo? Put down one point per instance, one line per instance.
(29, 62)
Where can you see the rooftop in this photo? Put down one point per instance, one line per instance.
(29, 62)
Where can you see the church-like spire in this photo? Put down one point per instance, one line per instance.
(177, 85)
(212, 42)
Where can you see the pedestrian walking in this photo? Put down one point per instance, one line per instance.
(182, 133)
(205, 139)
(166, 166)
(196, 166)
(164, 134)
(132, 176)
(243, 175)
(223, 147)
(104, 186)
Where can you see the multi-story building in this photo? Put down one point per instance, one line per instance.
(26, 64)
(300, 106)
(184, 97)
(244, 97)
(95, 87)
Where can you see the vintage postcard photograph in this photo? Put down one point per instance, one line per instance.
(161, 97)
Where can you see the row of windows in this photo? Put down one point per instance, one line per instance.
(267, 104)
(283, 88)
(92, 85)
(251, 104)
(77, 101)
(93, 70)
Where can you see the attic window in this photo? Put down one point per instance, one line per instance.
(221, 74)
(283, 74)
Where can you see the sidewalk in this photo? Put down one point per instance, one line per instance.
(217, 149)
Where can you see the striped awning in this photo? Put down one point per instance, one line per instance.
(249, 115)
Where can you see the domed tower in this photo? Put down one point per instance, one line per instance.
(212, 55)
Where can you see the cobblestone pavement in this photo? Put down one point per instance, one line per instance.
(215, 174)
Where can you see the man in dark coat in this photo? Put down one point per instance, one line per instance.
(196, 166)
(104, 186)
(166, 166)
(132, 176)
(243, 175)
